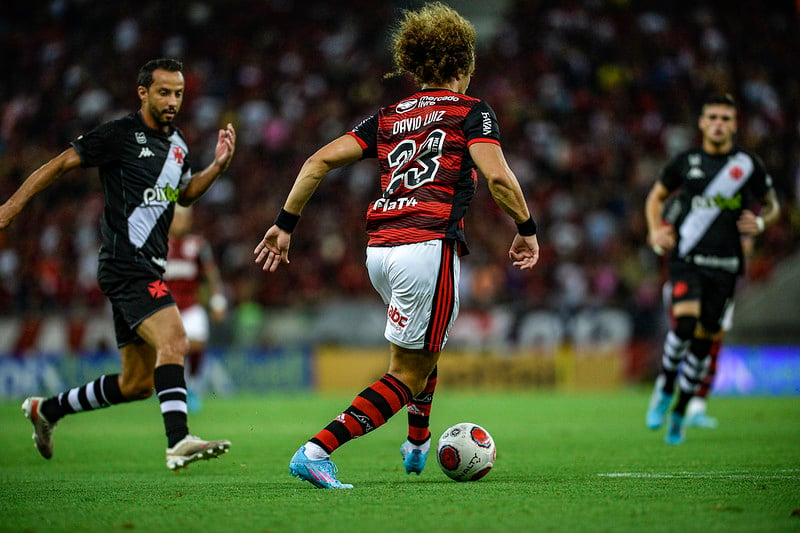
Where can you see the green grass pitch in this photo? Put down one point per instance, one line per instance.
(565, 462)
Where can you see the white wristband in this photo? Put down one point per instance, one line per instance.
(217, 302)
(760, 224)
(658, 250)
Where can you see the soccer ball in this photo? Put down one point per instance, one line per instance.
(466, 452)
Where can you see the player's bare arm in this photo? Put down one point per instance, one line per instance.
(274, 247)
(506, 192)
(39, 180)
(223, 155)
(751, 224)
(660, 236)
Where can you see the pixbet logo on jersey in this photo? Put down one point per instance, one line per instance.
(160, 194)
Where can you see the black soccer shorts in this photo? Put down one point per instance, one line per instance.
(714, 288)
(136, 290)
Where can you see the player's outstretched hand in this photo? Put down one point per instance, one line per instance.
(524, 252)
(226, 145)
(273, 249)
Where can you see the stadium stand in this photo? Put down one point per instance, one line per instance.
(593, 97)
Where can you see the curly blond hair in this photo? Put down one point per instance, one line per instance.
(433, 45)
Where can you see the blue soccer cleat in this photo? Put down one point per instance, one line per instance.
(413, 458)
(696, 416)
(676, 433)
(701, 420)
(320, 473)
(657, 410)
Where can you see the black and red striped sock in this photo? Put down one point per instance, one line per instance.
(419, 412)
(370, 409)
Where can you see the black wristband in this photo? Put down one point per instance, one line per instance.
(527, 228)
(286, 221)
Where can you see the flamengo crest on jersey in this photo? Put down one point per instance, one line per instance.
(727, 182)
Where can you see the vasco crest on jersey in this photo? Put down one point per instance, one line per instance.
(178, 154)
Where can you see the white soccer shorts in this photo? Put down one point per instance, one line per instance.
(195, 322)
(407, 277)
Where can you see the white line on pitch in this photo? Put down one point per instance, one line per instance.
(792, 473)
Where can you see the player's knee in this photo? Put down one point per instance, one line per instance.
(685, 327)
(174, 351)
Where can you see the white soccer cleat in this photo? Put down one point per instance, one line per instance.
(191, 449)
(42, 429)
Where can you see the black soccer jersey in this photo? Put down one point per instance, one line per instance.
(428, 178)
(714, 189)
(142, 171)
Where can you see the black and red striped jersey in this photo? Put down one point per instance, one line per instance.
(428, 178)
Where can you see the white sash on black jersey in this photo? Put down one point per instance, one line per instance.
(697, 222)
(145, 217)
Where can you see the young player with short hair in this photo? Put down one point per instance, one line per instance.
(716, 183)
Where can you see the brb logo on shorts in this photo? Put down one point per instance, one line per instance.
(397, 317)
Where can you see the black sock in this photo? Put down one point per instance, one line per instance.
(171, 390)
(683, 402)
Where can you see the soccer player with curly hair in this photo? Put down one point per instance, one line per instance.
(429, 146)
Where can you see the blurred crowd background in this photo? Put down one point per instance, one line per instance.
(593, 98)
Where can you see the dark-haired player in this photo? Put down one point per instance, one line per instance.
(717, 183)
(428, 146)
(144, 167)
